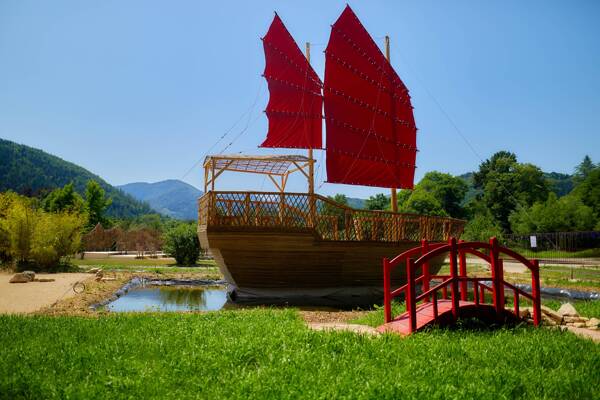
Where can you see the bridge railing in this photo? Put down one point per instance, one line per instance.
(457, 281)
(294, 212)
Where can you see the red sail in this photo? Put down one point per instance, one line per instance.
(295, 102)
(371, 133)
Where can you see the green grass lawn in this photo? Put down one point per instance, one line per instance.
(589, 253)
(587, 277)
(271, 354)
(158, 265)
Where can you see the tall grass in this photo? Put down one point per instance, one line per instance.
(271, 354)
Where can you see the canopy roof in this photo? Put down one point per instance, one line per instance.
(271, 165)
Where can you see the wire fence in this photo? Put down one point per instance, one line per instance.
(558, 247)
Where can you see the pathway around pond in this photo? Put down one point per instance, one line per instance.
(33, 296)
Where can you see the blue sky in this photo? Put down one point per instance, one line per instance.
(140, 90)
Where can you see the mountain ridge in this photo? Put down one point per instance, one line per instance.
(171, 197)
(30, 171)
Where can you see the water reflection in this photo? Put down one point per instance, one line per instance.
(205, 298)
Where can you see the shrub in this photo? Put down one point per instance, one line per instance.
(28, 234)
(182, 244)
(56, 237)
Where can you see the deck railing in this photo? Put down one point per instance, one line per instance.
(294, 212)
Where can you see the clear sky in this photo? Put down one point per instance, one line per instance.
(140, 90)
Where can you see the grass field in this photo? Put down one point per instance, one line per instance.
(271, 354)
(157, 265)
(576, 277)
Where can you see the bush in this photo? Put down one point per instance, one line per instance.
(31, 235)
(554, 215)
(56, 237)
(182, 244)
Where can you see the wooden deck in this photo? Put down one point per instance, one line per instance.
(425, 316)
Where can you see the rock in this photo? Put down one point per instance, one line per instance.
(550, 313)
(524, 313)
(95, 270)
(593, 323)
(568, 319)
(579, 324)
(21, 277)
(548, 321)
(568, 310)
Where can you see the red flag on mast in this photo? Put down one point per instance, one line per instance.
(295, 103)
(371, 132)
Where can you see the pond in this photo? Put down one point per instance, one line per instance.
(171, 298)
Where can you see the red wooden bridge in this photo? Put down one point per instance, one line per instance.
(434, 306)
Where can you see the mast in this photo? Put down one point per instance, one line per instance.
(311, 163)
(393, 198)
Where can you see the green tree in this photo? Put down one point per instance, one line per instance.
(500, 162)
(63, 199)
(378, 202)
(181, 243)
(585, 167)
(482, 228)
(20, 224)
(588, 191)
(507, 185)
(95, 203)
(554, 215)
(447, 189)
(423, 203)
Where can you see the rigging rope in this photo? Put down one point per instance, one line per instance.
(518, 203)
(227, 132)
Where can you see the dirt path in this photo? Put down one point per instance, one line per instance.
(33, 296)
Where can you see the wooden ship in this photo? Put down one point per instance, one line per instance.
(305, 248)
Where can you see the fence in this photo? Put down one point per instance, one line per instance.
(330, 220)
(558, 247)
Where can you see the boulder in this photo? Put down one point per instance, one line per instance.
(551, 314)
(578, 324)
(21, 277)
(568, 310)
(30, 274)
(568, 319)
(593, 323)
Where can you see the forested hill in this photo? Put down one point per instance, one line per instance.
(172, 197)
(30, 171)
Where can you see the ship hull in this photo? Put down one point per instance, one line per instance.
(300, 268)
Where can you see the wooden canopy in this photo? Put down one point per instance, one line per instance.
(280, 166)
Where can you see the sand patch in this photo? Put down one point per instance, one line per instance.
(33, 296)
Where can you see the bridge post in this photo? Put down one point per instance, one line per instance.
(498, 287)
(425, 267)
(411, 307)
(535, 292)
(454, 278)
(387, 287)
(462, 264)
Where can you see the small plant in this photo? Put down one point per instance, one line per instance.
(182, 244)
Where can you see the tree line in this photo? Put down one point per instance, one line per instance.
(505, 196)
(45, 232)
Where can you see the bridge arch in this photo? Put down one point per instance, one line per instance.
(457, 282)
